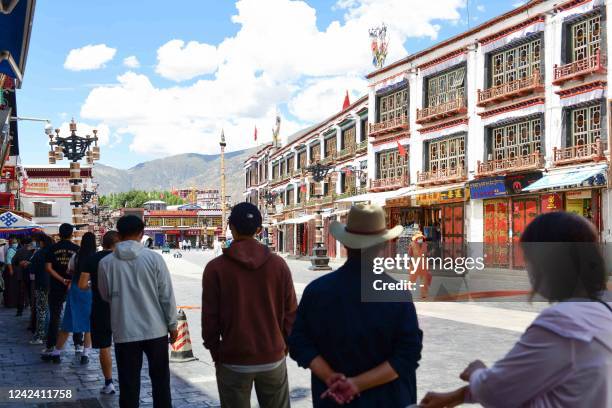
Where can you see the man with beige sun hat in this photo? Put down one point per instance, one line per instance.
(365, 353)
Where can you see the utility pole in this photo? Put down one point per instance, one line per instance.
(223, 215)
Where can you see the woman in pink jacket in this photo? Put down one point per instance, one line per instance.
(564, 359)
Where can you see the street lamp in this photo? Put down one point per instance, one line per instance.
(86, 196)
(74, 148)
(319, 259)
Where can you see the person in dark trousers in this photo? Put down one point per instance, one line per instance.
(20, 264)
(136, 282)
(101, 333)
(11, 284)
(363, 354)
(56, 265)
(41, 283)
(248, 309)
(77, 311)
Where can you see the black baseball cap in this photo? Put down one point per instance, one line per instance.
(245, 218)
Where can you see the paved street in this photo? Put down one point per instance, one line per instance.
(454, 334)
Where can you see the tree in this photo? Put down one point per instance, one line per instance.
(137, 198)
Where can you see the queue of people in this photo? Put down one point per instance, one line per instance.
(360, 354)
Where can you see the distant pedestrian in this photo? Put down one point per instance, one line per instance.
(41, 283)
(248, 308)
(11, 282)
(78, 303)
(564, 358)
(56, 265)
(19, 264)
(3, 243)
(137, 284)
(362, 353)
(101, 333)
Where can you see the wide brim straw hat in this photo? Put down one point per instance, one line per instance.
(365, 227)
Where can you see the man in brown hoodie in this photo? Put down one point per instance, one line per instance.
(248, 309)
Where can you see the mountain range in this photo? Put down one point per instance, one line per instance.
(180, 171)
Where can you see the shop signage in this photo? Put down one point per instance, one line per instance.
(515, 183)
(172, 232)
(488, 188)
(578, 195)
(193, 232)
(551, 202)
(441, 197)
(502, 185)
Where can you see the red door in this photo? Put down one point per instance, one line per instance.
(452, 230)
(496, 232)
(523, 212)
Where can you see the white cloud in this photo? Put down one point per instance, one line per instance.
(278, 58)
(322, 98)
(131, 62)
(89, 57)
(84, 129)
(179, 61)
(481, 8)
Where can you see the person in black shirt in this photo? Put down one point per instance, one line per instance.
(20, 263)
(41, 282)
(101, 333)
(56, 265)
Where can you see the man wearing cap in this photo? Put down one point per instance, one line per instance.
(366, 353)
(248, 308)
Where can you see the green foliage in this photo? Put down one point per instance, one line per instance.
(137, 198)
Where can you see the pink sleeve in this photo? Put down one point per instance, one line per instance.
(536, 363)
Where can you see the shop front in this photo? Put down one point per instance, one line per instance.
(439, 212)
(511, 202)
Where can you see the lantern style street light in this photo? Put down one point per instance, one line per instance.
(319, 259)
(74, 148)
(86, 196)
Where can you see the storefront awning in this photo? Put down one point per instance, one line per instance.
(299, 220)
(376, 198)
(429, 190)
(563, 178)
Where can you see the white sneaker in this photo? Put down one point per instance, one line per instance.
(108, 389)
(78, 350)
(36, 341)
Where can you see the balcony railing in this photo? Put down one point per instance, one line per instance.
(580, 153)
(362, 146)
(296, 172)
(389, 183)
(398, 123)
(329, 158)
(528, 162)
(579, 69)
(441, 111)
(441, 176)
(510, 90)
(346, 152)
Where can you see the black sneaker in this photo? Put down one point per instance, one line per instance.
(19, 313)
(84, 360)
(56, 359)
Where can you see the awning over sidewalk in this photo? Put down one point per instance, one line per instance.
(562, 178)
(376, 198)
(430, 190)
(299, 220)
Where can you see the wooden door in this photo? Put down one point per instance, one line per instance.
(496, 232)
(523, 212)
(452, 230)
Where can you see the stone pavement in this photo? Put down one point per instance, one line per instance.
(454, 335)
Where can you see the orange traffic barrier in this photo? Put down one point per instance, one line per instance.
(181, 351)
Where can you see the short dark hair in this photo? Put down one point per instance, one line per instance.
(110, 239)
(564, 255)
(245, 218)
(129, 226)
(26, 241)
(65, 231)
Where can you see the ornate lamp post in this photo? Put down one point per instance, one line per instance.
(319, 258)
(268, 198)
(74, 148)
(222, 144)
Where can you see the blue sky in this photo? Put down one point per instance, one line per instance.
(248, 60)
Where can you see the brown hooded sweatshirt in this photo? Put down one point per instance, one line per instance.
(248, 305)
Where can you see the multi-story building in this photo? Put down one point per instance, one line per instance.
(278, 181)
(199, 226)
(480, 133)
(45, 194)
